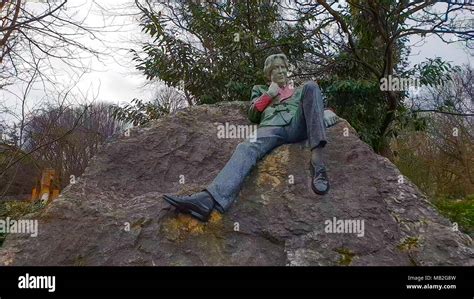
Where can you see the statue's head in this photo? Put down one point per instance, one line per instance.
(276, 69)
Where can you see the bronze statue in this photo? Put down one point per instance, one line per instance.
(285, 115)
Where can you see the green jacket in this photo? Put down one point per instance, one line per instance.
(279, 114)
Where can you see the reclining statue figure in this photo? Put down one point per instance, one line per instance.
(285, 115)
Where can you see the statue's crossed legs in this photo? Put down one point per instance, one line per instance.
(309, 118)
(307, 123)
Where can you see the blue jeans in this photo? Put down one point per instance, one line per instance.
(307, 123)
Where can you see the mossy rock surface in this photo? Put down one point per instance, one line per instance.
(114, 213)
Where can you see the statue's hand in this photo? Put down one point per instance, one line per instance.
(273, 90)
(330, 118)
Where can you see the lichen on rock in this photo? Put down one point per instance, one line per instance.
(275, 220)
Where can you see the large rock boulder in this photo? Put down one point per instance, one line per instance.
(114, 213)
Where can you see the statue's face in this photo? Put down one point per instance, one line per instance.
(279, 72)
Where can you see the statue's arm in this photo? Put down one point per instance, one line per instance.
(260, 101)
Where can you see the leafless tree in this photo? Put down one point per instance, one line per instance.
(69, 153)
(37, 35)
(168, 99)
(40, 41)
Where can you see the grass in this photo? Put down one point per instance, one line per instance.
(460, 211)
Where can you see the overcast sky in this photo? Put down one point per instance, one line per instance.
(116, 80)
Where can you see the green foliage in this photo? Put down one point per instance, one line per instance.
(433, 71)
(351, 88)
(460, 211)
(230, 42)
(356, 96)
(352, 85)
(360, 102)
(405, 120)
(137, 112)
(235, 38)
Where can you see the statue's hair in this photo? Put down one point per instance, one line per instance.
(267, 69)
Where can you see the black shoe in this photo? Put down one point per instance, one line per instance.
(199, 205)
(319, 180)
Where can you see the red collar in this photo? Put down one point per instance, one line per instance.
(285, 92)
